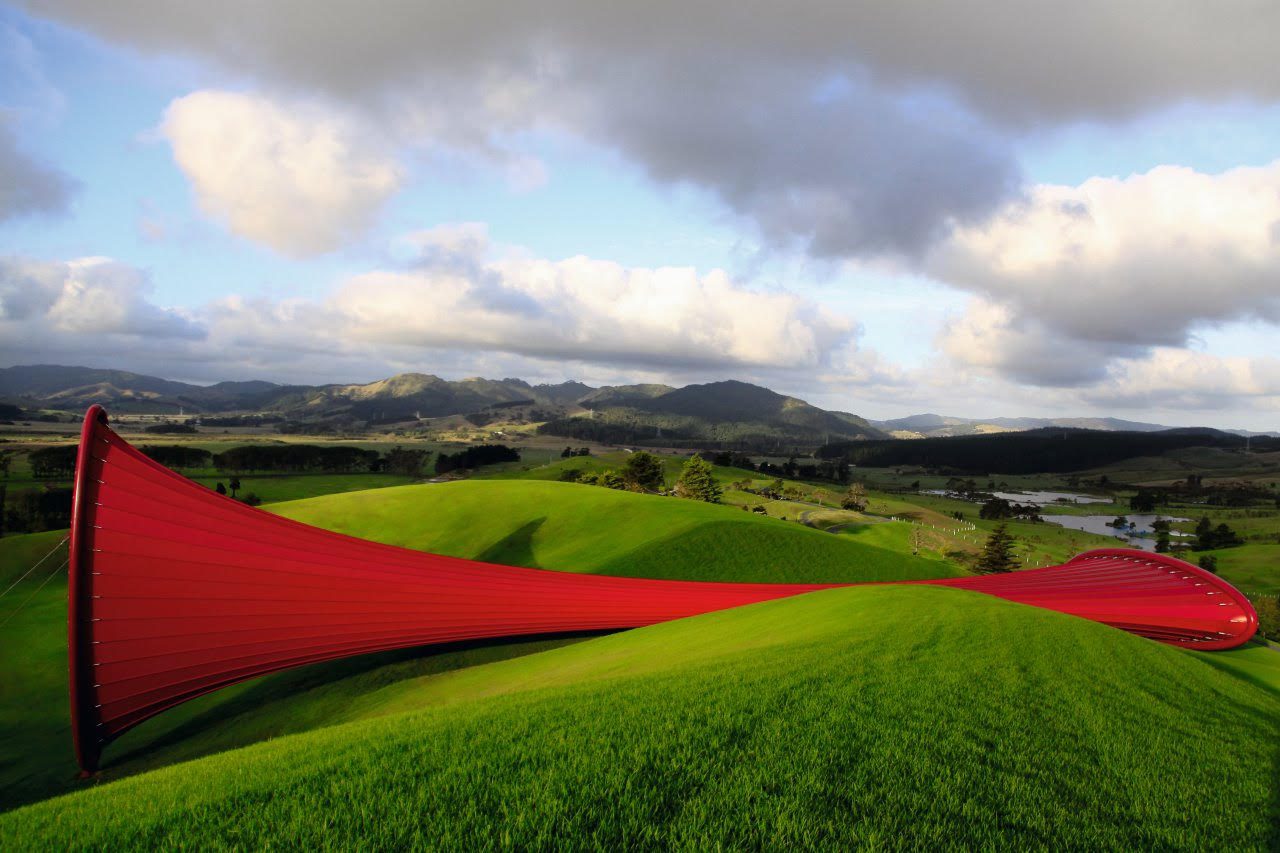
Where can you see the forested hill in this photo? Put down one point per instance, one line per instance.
(1053, 450)
(719, 415)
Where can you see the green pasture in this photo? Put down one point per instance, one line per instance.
(573, 527)
(863, 717)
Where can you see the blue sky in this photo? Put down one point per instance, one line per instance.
(880, 231)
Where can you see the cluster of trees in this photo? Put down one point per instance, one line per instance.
(1146, 500)
(178, 456)
(645, 472)
(252, 499)
(406, 461)
(853, 498)
(1036, 451)
(831, 470)
(40, 509)
(53, 463)
(642, 472)
(34, 510)
(172, 429)
(58, 463)
(1211, 538)
(569, 452)
(999, 508)
(475, 457)
(240, 420)
(297, 457)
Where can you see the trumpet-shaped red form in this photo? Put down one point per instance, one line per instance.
(176, 591)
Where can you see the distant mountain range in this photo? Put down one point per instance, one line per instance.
(712, 414)
(941, 426)
(716, 413)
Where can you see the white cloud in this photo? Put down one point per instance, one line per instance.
(299, 178)
(1171, 378)
(83, 306)
(1073, 277)
(462, 296)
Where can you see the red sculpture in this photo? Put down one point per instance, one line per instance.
(176, 591)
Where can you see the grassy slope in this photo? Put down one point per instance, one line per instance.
(572, 527)
(810, 721)
(273, 489)
(551, 525)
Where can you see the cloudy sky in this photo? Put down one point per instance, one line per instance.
(982, 208)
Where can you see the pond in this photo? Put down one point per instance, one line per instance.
(1137, 535)
(1033, 497)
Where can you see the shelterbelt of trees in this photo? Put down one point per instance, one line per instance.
(1052, 451)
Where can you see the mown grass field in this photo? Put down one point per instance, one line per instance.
(869, 716)
(572, 527)
(813, 721)
(548, 525)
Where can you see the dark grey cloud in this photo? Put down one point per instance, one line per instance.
(785, 125)
(1022, 60)
(26, 186)
(844, 129)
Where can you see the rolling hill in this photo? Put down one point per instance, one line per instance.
(716, 415)
(571, 527)
(862, 716)
(814, 721)
(543, 524)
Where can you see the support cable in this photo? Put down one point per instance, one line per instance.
(61, 542)
(36, 591)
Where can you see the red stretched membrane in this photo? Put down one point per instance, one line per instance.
(176, 591)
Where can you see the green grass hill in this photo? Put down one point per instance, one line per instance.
(871, 716)
(876, 717)
(578, 528)
(548, 525)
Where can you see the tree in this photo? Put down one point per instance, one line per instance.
(566, 453)
(996, 508)
(997, 554)
(1209, 563)
(821, 496)
(406, 462)
(1204, 534)
(855, 498)
(1143, 501)
(1209, 538)
(220, 489)
(644, 472)
(697, 481)
(234, 483)
(610, 479)
(1161, 528)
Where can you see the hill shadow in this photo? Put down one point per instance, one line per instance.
(385, 668)
(516, 548)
